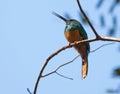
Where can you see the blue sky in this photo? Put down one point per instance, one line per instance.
(29, 33)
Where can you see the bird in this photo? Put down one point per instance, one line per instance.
(75, 32)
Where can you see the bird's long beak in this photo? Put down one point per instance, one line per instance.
(59, 16)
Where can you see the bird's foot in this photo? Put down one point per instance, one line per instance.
(69, 44)
(76, 42)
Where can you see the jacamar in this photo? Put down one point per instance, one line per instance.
(75, 32)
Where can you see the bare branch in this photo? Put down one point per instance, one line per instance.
(90, 24)
(69, 46)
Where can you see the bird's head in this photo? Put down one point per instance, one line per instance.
(70, 23)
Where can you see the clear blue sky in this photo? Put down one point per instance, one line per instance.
(29, 33)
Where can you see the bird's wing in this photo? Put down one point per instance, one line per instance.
(84, 35)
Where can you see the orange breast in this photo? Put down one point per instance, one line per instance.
(73, 36)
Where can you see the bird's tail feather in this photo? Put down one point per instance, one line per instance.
(84, 67)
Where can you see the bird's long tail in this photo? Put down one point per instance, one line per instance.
(84, 67)
(82, 50)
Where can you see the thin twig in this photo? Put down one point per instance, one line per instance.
(100, 47)
(29, 91)
(60, 67)
(96, 34)
(63, 76)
